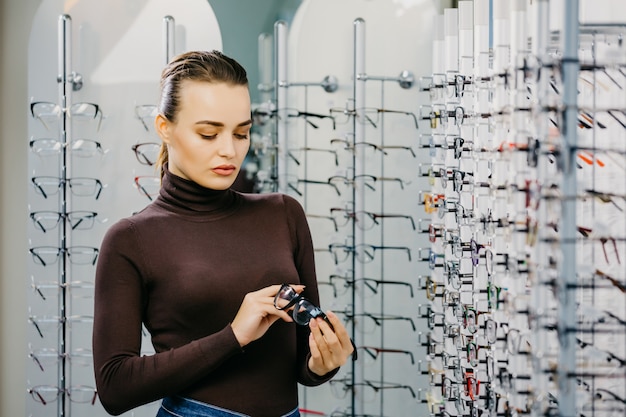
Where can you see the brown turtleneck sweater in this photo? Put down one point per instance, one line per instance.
(182, 267)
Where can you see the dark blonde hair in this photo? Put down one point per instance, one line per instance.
(208, 66)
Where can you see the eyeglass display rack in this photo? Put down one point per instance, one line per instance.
(62, 147)
(347, 193)
(148, 145)
(527, 308)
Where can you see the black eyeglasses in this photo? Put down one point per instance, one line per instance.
(367, 390)
(371, 283)
(294, 187)
(364, 252)
(77, 255)
(369, 323)
(353, 146)
(147, 153)
(44, 110)
(458, 178)
(366, 180)
(296, 154)
(83, 187)
(78, 219)
(457, 145)
(374, 352)
(303, 310)
(369, 115)
(365, 220)
(261, 116)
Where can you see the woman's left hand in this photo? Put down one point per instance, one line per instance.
(329, 349)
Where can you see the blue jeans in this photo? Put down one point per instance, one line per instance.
(184, 407)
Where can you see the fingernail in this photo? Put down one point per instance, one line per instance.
(330, 314)
(313, 323)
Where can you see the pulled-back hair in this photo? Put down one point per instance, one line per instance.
(207, 66)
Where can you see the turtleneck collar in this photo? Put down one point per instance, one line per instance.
(187, 197)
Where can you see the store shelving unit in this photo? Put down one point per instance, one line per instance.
(59, 348)
(523, 223)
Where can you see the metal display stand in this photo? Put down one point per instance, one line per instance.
(520, 249)
(350, 184)
(64, 253)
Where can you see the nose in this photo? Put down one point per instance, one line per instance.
(227, 146)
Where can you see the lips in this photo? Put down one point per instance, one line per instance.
(224, 170)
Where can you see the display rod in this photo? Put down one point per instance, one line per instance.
(466, 38)
(265, 47)
(280, 38)
(481, 39)
(358, 193)
(567, 276)
(169, 38)
(65, 83)
(539, 298)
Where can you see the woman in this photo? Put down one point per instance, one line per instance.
(200, 268)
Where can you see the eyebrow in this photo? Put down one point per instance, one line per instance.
(220, 124)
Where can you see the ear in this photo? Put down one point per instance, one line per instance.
(162, 127)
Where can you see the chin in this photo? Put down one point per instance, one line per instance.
(220, 183)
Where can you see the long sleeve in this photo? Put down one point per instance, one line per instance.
(304, 259)
(125, 379)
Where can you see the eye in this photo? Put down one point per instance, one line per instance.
(208, 137)
(245, 134)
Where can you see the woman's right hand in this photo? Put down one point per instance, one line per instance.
(257, 313)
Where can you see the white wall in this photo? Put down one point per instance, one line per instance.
(15, 23)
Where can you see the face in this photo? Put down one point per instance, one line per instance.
(211, 135)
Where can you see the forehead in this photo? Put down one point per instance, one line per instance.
(208, 100)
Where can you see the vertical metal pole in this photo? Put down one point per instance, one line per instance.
(481, 39)
(501, 36)
(439, 46)
(451, 31)
(466, 37)
(567, 276)
(65, 88)
(359, 78)
(519, 29)
(280, 37)
(538, 296)
(501, 51)
(266, 70)
(169, 38)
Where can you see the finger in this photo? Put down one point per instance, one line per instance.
(338, 348)
(268, 307)
(315, 351)
(285, 315)
(318, 335)
(328, 333)
(269, 291)
(340, 329)
(343, 342)
(330, 351)
(324, 352)
(273, 289)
